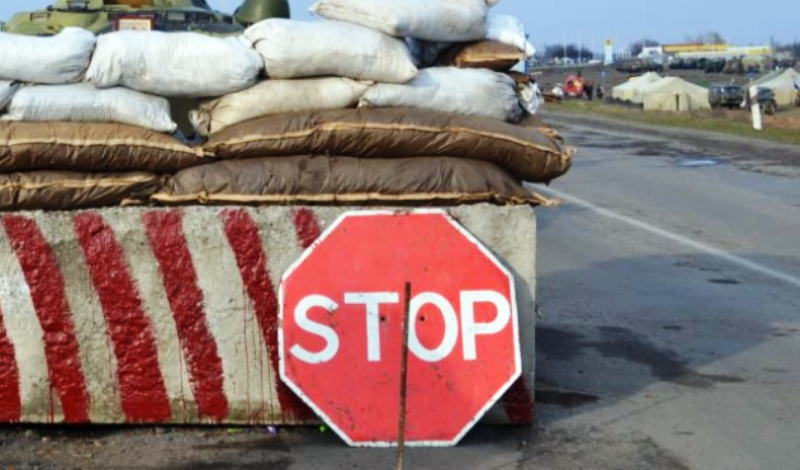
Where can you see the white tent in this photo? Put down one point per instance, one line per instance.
(783, 85)
(674, 94)
(628, 91)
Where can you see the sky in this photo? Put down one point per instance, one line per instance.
(590, 22)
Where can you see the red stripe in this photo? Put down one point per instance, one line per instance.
(165, 232)
(144, 396)
(518, 403)
(10, 401)
(243, 237)
(307, 226)
(46, 284)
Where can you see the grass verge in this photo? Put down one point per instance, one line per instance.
(781, 128)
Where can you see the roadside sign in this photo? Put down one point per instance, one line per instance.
(341, 328)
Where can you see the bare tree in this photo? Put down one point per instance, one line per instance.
(572, 51)
(708, 38)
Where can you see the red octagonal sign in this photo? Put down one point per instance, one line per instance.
(341, 336)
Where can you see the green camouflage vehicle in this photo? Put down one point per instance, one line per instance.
(104, 16)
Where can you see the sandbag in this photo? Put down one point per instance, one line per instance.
(467, 92)
(432, 20)
(69, 146)
(53, 60)
(481, 55)
(509, 30)
(174, 64)
(82, 102)
(345, 180)
(277, 96)
(298, 49)
(396, 133)
(7, 90)
(61, 191)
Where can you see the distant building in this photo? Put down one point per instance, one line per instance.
(708, 51)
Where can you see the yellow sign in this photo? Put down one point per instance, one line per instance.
(675, 48)
(609, 43)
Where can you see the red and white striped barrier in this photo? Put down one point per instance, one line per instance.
(142, 315)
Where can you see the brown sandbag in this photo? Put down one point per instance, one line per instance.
(68, 146)
(51, 190)
(525, 152)
(346, 180)
(490, 55)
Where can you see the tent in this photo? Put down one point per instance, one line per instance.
(783, 85)
(628, 90)
(674, 94)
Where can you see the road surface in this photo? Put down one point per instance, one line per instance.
(670, 332)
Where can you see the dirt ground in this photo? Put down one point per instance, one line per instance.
(646, 139)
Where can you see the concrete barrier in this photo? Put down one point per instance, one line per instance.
(139, 315)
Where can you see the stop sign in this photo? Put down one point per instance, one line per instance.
(342, 317)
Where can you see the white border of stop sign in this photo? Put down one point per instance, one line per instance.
(467, 327)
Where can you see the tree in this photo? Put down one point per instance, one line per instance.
(709, 38)
(637, 47)
(572, 51)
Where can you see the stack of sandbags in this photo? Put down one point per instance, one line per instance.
(129, 75)
(39, 82)
(341, 114)
(438, 135)
(367, 156)
(450, 35)
(70, 145)
(68, 165)
(42, 165)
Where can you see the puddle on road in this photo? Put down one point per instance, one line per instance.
(689, 161)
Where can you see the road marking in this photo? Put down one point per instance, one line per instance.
(708, 249)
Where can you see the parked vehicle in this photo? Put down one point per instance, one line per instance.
(638, 66)
(735, 97)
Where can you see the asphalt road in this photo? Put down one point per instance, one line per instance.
(669, 284)
(670, 281)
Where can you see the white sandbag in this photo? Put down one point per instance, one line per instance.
(174, 64)
(83, 102)
(431, 20)
(274, 97)
(58, 59)
(508, 30)
(299, 49)
(7, 90)
(469, 92)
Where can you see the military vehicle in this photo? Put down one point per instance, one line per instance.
(104, 16)
(734, 97)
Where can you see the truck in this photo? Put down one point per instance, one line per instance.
(735, 96)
